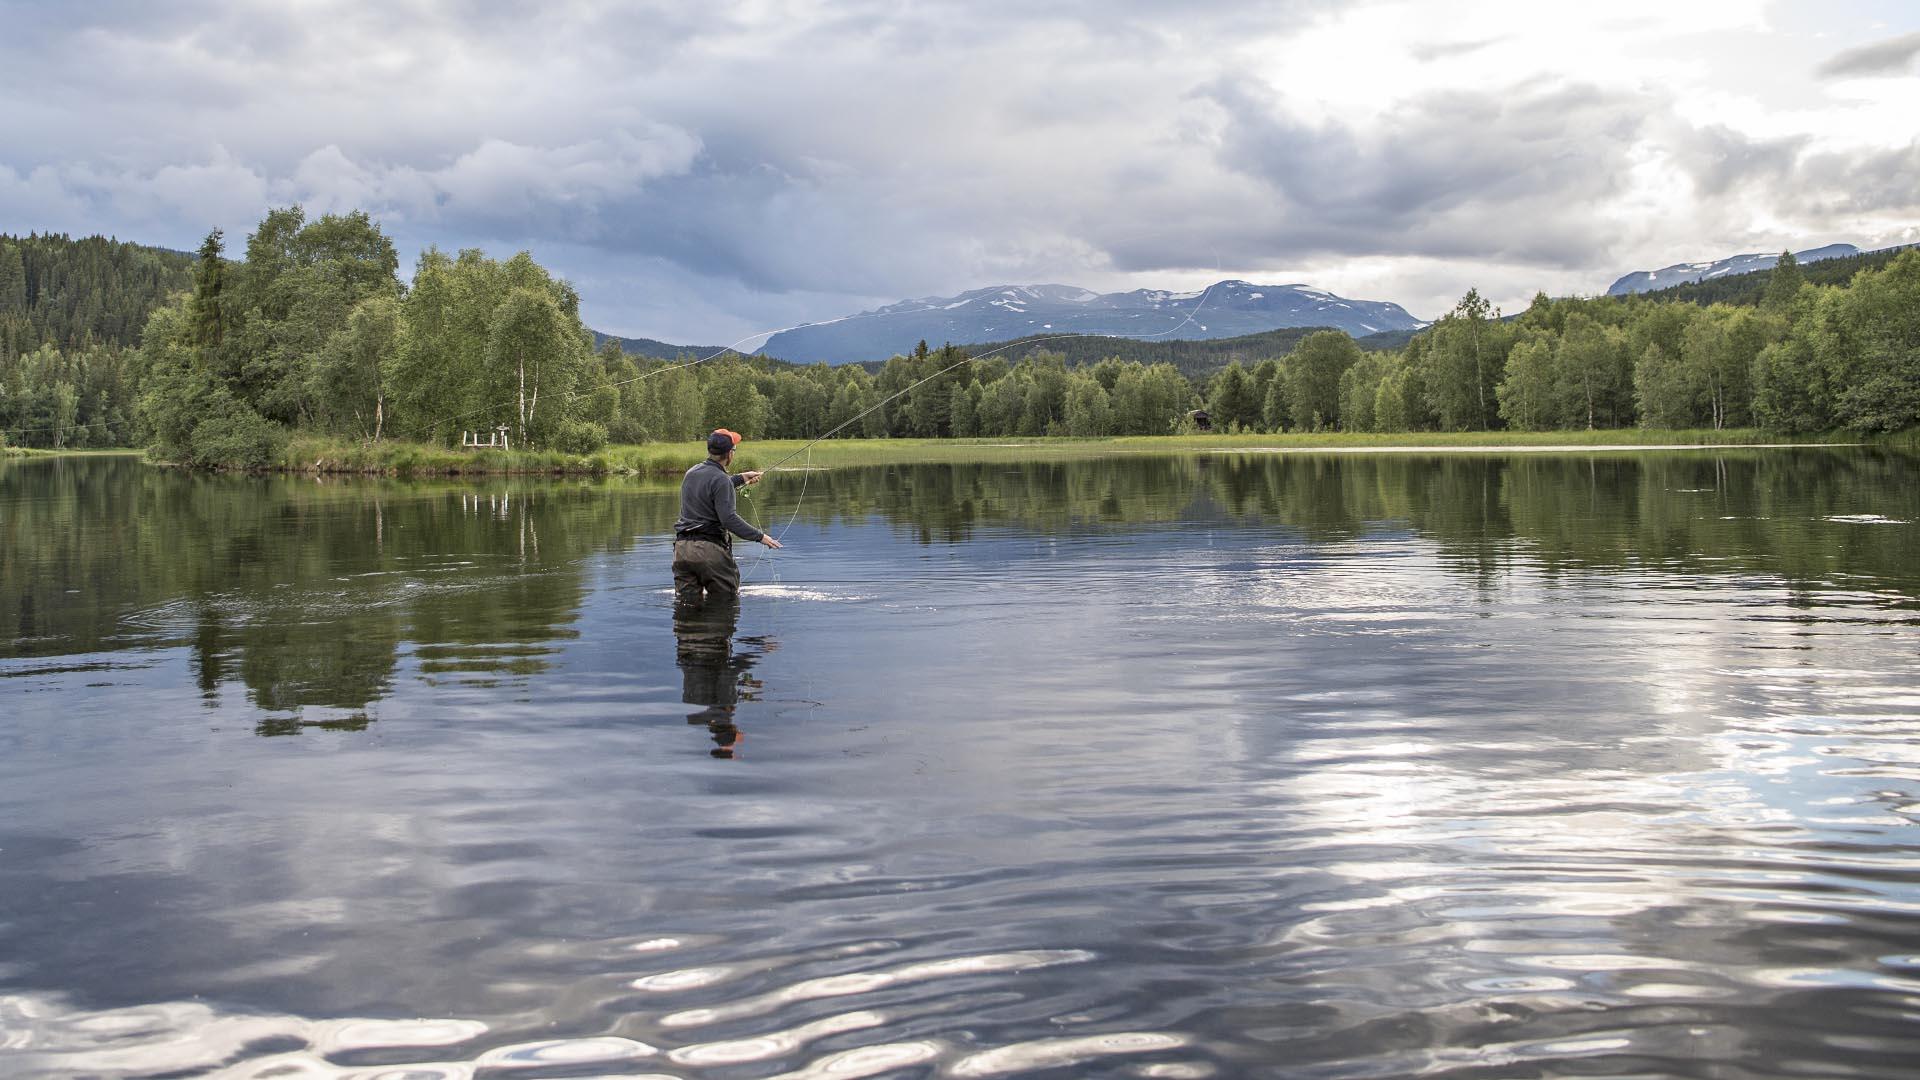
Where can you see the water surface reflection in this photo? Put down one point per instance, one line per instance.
(713, 670)
(1342, 767)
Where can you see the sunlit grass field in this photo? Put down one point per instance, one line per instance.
(30, 452)
(307, 454)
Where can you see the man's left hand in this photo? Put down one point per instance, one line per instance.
(752, 477)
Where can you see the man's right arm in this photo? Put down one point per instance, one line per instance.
(730, 518)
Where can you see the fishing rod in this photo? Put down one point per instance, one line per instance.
(843, 425)
(571, 395)
(909, 388)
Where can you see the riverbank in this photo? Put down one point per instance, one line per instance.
(333, 456)
(395, 458)
(323, 456)
(795, 453)
(31, 452)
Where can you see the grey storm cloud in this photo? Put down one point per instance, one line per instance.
(780, 160)
(1823, 183)
(1881, 181)
(1721, 160)
(1890, 57)
(1445, 175)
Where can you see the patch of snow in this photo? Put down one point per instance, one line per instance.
(1255, 295)
(969, 300)
(1369, 328)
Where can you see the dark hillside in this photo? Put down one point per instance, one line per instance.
(65, 292)
(1746, 290)
(657, 350)
(1193, 358)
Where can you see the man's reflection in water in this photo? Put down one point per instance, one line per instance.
(713, 675)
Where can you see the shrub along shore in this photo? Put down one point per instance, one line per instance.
(396, 458)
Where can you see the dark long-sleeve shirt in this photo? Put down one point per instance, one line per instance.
(706, 506)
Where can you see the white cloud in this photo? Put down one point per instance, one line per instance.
(42, 198)
(803, 159)
(563, 186)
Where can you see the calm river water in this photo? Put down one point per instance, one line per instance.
(1217, 765)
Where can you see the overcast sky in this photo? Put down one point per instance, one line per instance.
(705, 170)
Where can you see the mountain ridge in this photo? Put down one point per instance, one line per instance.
(1231, 308)
(1640, 281)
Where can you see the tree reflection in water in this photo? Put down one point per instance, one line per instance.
(317, 599)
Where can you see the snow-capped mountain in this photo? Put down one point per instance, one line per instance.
(1224, 309)
(1680, 273)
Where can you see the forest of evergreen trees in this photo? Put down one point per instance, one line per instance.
(1750, 289)
(1197, 358)
(313, 330)
(71, 312)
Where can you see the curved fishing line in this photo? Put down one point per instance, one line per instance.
(784, 529)
(571, 395)
(909, 388)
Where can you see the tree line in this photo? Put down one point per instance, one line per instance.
(70, 313)
(1750, 289)
(312, 330)
(1805, 358)
(1196, 358)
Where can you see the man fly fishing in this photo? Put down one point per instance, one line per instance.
(703, 536)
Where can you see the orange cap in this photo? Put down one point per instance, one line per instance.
(732, 438)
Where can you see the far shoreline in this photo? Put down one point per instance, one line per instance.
(308, 455)
(1536, 448)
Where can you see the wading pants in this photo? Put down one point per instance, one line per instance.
(703, 568)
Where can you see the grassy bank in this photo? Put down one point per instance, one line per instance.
(795, 453)
(416, 459)
(30, 452)
(324, 455)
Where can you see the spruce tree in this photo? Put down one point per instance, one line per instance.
(1784, 283)
(207, 324)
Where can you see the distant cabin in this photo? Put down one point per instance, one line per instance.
(1201, 419)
